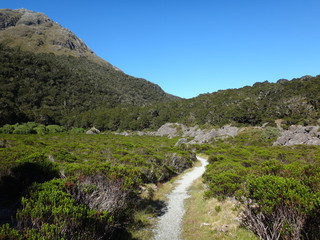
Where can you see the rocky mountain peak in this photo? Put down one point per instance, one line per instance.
(36, 32)
(32, 18)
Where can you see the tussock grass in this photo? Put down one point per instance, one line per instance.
(210, 218)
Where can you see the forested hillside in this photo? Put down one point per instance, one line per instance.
(54, 89)
(49, 75)
(294, 102)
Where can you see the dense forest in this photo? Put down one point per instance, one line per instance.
(54, 89)
(294, 102)
(76, 92)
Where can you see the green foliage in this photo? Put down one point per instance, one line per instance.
(52, 89)
(23, 129)
(33, 168)
(8, 233)
(271, 192)
(279, 186)
(217, 208)
(41, 129)
(55, 129)
(102, 175)
(7, 128)
(77, 130)
(51, 213)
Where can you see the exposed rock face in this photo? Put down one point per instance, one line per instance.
(36, 32)
(295, 135)
(199, 135)
(32, 18)
(168, 130)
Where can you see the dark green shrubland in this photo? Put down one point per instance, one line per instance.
(77, 186)
(278, 186)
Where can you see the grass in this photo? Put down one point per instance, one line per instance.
(204, 219)
(149, 221)
(209, 218)
(147, 217)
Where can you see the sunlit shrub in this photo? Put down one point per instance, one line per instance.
(55, 129)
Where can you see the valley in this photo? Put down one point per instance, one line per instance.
(90, 152)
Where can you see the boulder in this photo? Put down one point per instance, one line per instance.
(93, 131)
(295, 135)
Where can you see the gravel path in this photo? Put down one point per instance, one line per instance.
(169, 226)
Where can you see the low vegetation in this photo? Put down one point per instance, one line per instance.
(212, 219)
(76, 186)
(277, 186)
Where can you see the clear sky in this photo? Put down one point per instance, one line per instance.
(189, 47)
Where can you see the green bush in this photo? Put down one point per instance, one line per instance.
(55, 129)
(223, 184)
(51, 213)
(77, 130)
(271, 192)
(7, 128)
(23, 129)
(278, 207)
(41, 129)
(8, 233)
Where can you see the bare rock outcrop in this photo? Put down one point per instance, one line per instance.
(93, 131)
(199, 135)
(309, 135)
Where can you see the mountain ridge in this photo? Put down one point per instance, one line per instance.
(36, 32)
(48, 74)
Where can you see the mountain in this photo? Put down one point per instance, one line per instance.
(48, 75)
(285, 102)
(36, 32)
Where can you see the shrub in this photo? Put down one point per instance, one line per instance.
(223, 184)
(7, 128)
(23, 129)
(55, 129)
(277, 207)
(8, 233)
(217, 208)
(51, 213)
(41, 129)
(77, 130)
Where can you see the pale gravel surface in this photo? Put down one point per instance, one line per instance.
(169, 226)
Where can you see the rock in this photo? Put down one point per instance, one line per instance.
(205, 224)
(181, 141)
(228, 131)
(168, 129)
(123, 134)
(200, 135)
(32, 18)
(93, 130)
(295, 135)
(51, 158)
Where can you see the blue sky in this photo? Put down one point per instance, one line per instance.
(193, 47)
